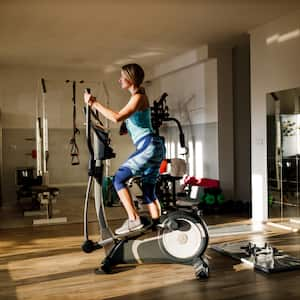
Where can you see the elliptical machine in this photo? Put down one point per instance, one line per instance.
(181, 237)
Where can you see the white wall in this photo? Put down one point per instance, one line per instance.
(274, 67)
(223, 54)
(192, 92)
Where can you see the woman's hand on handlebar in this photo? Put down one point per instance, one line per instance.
(89, 99)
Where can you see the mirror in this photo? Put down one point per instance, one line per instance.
(283, 153)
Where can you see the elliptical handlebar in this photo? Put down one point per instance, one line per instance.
(104, 150)
(99, 150)
(88, 128)
(87, 111)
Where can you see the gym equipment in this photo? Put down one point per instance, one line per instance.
(262, 258)
(181, 236)
(42, 197)
(110, 196)
(160, 114)
(213, 196)
(41, 130)
(166, 185)
(74, 152)
(37, 188)
(209, 194)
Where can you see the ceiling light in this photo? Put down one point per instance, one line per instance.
(272, 39)
(279, 38)
(288, 36)
(146, 54)
(123, 61)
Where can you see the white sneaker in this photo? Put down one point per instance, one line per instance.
(129, 226)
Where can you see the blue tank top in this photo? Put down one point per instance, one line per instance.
(139, 124)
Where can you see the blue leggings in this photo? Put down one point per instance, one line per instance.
(145, 162)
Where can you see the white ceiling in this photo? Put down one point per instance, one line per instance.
(101, 34)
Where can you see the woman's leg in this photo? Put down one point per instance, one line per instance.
(152, 201)
(150, 176)
(128, 204)
(154, 209)
(133, 222)
(133, 166)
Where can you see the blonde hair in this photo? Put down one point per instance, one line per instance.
(134, 73)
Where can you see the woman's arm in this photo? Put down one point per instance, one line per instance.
(131, 107)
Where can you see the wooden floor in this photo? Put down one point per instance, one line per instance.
(47, 263)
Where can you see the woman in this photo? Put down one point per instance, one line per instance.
(150, 149)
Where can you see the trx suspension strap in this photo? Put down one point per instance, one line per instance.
(74, 148)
